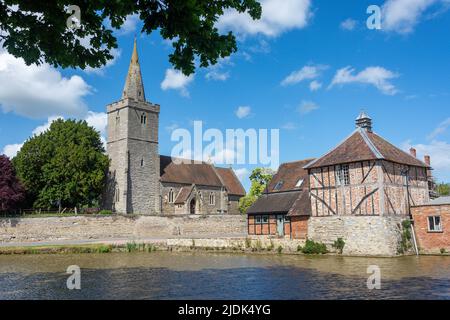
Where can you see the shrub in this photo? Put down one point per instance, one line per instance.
(132, 247)
(258, 245)
(339, 245)
(280, 249)
(248, 243)
(105, 212)
(443, 251)
(104, 249)
(271, 246)
(405, 243)
(312, 247)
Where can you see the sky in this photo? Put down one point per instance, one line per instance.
(307, 68)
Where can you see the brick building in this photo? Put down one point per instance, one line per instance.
(432, 225)
(140, 181)
(284, 208)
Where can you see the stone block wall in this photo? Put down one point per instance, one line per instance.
(363, 235)
(120, 227)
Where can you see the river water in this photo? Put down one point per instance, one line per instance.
(165, 275)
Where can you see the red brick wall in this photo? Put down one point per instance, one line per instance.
(432, 242)
(299, 227)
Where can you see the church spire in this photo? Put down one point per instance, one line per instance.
(134, 88)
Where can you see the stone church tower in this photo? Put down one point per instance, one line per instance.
(133, 182)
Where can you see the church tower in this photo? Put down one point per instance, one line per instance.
(133, 182)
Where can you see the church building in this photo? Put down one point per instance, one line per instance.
(140, 181)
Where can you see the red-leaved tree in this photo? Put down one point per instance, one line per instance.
(11, 190)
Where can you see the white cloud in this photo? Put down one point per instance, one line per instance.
(130, 24)
(39, 91)
(442, 128)
(217, 75)
(315, 85)
(11, 150)
(176, 80)
(116, 53)
(306, 73)
(289, 126)
(278, 16)
(216, 72)
(402, 16)
(307, 107)
(97, 120)
(376, 76)
(241, 173)
(349, 24)
(243, 112)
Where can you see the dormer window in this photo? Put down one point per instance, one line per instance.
(278, 185)
(299, 183)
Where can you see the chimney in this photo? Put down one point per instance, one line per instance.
(428, 160)
(413, 152)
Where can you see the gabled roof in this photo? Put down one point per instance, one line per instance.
(189, 173)
(183, 195)
(363, 145)
(288, 199)
(231, 181)
(288, 176)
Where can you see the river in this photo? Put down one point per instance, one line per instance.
(166, 275)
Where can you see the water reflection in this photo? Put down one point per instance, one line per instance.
(221, 276)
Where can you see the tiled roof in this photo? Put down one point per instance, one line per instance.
(183, 195)
(274, 203)
(364, 145)
(189, 172)
(231, 181)
(288, 176)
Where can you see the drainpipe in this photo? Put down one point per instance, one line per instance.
(405, 172)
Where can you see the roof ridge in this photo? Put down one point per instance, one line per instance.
(295, 161)
(370, 144)
(337, 146)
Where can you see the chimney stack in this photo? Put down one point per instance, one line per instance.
(413, 152)
(428, 160)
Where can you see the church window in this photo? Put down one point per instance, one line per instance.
(143, 118)
(142, 162)
(117, 118)
(342, 175)
(212, 199)
(171, 196)
(117, 195)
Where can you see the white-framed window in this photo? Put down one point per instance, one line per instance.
(171, 196)
(434, 224)
(343, 175)
(299, 183)
(258, 219)
(279, 185)
(265, 219)
(143, 118)
(212, 198)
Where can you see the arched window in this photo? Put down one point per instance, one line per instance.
(143, 118)
(171, 196)
(212, 199)
(142, 162)
(117, 118)
(117, 195)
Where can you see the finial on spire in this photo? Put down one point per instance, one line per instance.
(363, 121)
(134, 87)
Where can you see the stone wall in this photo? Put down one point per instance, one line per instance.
(363, 235)
(120, 227)
(429, 241)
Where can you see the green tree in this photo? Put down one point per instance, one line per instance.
(37, 31)
(443, 189)
(259, 178)
(65, 165)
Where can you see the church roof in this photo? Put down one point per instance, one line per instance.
(134, 87)
(189, 172)
(364, 145)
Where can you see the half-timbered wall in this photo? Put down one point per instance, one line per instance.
(373, 188)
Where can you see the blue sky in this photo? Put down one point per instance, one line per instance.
(307, 69)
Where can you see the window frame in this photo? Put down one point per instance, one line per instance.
(343, 175)
(279, 185)
(171, 196)
(439, 225)
(212, 199)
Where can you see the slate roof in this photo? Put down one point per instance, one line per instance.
(289, 199)
(189, 172)
(363, 145)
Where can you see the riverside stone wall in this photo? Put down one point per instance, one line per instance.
(120, 227)
(363, 235)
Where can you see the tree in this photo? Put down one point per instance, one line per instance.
(12, 192)
(38, 31)
(443, 189)
(259, 178)
(65, 165)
